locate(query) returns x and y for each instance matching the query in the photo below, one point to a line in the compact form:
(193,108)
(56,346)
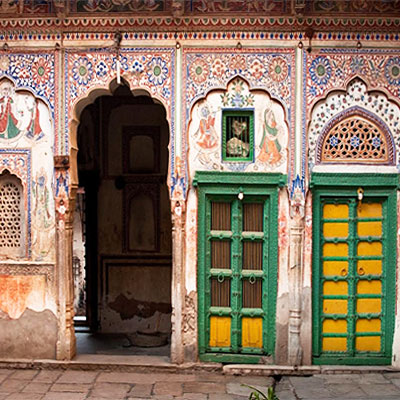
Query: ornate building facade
(225,171)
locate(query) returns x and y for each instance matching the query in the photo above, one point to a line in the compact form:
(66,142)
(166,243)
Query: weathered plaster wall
(283,288)
(27,280)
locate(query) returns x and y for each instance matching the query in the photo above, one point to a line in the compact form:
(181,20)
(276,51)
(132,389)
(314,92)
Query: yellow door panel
(335,306)
(369,210)
(332,326)
(368,325)
(369,306)
(334,344)
(337,288)
(369,287)
(252,332)
(335,250)
(220,331)
(369,267)
(336,211)
(338,229)
(368,343)
(373,228)
(338,268)
(369,249)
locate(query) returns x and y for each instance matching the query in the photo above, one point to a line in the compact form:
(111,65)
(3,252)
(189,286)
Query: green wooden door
(237,271)
(353,283)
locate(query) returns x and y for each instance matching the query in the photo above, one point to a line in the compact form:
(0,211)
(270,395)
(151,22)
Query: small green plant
(258,395)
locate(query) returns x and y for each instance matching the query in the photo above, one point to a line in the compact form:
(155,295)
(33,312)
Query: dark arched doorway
(122,226)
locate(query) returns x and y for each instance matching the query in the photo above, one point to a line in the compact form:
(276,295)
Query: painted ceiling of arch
(202,7)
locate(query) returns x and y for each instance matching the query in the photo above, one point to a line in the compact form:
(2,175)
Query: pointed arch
(375,109)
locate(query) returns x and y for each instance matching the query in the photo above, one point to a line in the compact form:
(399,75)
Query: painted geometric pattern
(374,106)
(35,71)
(270,70)
(149,69)
(330,69)
(355,139)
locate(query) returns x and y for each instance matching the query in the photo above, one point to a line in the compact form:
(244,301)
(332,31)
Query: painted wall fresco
(210,69)
(374,105)
(26,124)
(28,116)
(274,7)
(270,131)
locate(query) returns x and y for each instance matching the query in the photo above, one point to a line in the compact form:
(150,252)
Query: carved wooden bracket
(61,162)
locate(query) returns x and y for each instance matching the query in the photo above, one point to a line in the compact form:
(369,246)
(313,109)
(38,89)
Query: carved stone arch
(107,90)
(95,73)
(356,136)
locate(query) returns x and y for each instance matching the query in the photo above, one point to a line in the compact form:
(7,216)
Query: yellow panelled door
(352,278)
(237,275)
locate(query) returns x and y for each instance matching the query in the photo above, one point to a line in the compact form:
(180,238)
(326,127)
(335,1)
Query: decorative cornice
(102,23)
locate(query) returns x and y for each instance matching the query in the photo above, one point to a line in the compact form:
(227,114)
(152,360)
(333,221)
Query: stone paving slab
(32,384)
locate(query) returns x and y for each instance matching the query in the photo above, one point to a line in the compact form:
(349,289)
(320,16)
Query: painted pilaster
(296,231)
(65,199)
(178,292)
(178,207)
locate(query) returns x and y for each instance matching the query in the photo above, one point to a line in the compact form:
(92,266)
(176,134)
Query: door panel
(350,310)
(237,277)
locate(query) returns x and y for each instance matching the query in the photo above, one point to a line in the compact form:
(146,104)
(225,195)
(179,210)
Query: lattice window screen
(11,222)
(355,139)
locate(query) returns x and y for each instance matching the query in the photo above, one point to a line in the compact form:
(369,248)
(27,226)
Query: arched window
(12,232)
(355,139)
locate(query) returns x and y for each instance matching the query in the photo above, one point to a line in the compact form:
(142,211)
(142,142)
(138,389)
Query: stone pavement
(373,386)
(58,384)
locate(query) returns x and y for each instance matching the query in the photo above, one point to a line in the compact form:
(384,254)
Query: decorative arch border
(89,73)
(19,163)
(208,69)
(350,112)
(372,66)
(224,90)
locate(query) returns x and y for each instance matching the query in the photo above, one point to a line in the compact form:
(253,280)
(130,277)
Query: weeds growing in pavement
(258,395)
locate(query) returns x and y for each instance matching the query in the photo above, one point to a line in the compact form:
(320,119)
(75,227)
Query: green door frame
(211,185)
(375,186)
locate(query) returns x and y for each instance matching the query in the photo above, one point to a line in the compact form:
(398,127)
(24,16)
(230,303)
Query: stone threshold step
(112,363)
(305,370)
(162,364)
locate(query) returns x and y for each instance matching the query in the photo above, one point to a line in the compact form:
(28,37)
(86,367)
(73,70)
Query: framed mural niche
(237,135)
